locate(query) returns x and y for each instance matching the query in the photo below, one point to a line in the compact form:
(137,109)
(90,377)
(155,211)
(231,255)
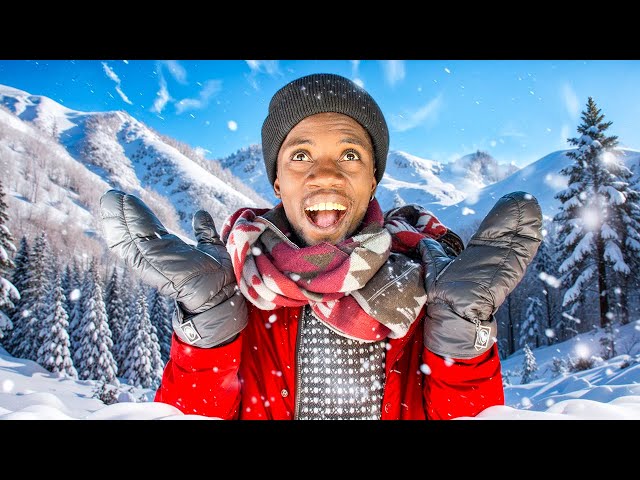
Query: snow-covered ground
(608,390)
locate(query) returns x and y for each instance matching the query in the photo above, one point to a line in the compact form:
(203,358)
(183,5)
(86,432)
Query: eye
(300,156)
(350,156)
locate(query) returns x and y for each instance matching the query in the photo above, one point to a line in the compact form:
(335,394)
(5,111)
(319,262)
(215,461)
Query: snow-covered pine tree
(74,277)
(530,327)
(115,309)
(143,365)
(76,312)
(608,342)
(19,280)
(54,353)
(36,296)
(160,311)
(589,237)
(8,292)
(93,358)
(128,288)
(625,222)
(544,266)
(529,365)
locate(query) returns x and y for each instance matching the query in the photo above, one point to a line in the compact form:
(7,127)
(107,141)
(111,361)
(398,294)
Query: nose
(326,173)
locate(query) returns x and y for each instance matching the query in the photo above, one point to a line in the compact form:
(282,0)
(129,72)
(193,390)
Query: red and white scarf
(347,284)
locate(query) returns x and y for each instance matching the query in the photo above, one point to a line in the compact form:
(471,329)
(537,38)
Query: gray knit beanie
(319,93)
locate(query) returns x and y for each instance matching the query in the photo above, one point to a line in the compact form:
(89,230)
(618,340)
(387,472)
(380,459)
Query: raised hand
(472,286)
(200,278)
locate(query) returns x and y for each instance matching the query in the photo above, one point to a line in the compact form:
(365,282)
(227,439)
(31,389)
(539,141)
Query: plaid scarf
(345,284)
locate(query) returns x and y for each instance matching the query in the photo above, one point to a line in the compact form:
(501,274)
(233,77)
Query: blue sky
(517,110)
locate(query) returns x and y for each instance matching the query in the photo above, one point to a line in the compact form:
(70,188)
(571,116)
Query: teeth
(326,206)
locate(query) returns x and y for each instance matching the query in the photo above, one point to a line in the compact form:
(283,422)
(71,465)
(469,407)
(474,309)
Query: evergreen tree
(19,280)
(625,221)
(530,328)
(545,265)
(93,358)
(73,284)
(529,366)
(83,284)
(589,233)
(128,289)
(160,313)
(54,353)
(608,342)
(36,296)
(143,365)
(8,292)
(115,309)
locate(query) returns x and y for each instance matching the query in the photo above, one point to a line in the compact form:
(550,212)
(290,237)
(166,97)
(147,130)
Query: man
(323,307)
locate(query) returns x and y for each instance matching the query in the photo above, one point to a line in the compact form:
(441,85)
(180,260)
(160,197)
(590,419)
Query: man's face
(325,177)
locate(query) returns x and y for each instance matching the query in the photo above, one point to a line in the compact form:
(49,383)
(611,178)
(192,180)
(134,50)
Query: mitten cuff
(450,335)
(213,326)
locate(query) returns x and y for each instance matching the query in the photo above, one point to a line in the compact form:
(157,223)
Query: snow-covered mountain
(58,161)
(407,178)
(247,164)
(472,172)
(127,154)
(541,178)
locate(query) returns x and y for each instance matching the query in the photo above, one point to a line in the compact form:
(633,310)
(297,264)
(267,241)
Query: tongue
(326,218)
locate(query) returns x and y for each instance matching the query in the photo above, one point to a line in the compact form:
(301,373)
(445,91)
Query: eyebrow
(294,142)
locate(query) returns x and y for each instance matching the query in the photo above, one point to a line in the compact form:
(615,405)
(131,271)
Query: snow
(540,178)
(608,390)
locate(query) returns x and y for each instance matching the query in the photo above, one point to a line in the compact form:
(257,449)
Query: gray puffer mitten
(210,310)
(464,293)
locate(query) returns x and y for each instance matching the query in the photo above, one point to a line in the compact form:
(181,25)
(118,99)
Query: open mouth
(325,214)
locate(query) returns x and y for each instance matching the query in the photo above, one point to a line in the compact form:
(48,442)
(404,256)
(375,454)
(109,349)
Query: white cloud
(123,95)
(110,73)
(394,71)
(113,76)
(571,101)
(509,130)
(209,89)
(355,66)
(176,70)
(564,134)
(268,67)
(411,120)
(162,97)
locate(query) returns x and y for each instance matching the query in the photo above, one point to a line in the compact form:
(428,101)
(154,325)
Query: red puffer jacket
(254,377)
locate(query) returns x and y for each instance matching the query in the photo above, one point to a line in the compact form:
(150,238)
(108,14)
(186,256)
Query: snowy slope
(46,189)
(411,179)
(541,178)
(472,172)
(247,164)
(610,390)
(130,156)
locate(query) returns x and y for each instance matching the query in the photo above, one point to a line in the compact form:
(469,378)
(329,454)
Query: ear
(374,184)
(276,187)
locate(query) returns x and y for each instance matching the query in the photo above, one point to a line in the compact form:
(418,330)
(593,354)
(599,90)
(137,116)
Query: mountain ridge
(119,151)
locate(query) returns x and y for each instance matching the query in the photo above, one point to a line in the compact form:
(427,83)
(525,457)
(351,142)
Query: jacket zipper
(296,405)
(286,239)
